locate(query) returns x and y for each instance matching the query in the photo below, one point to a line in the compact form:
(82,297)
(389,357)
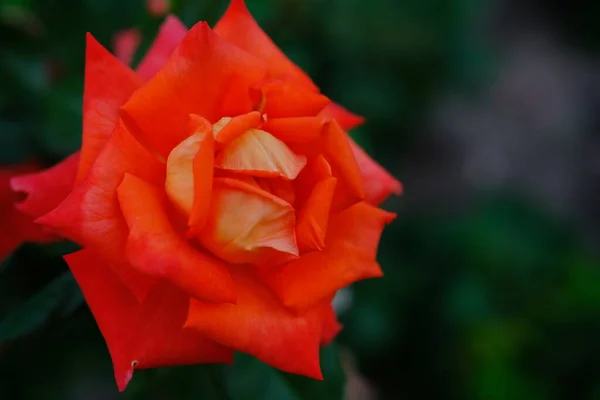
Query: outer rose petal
(377,182)
(138,335)
(260,326)
(15,227)
(349,256)
(170,34)
(345,118)
(331,327)
(191,82)
(248,225)
(237,26)
(91,216)
(46,189)
(108,84)
(155,247)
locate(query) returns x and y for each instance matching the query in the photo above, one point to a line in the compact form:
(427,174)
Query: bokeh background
(487,110)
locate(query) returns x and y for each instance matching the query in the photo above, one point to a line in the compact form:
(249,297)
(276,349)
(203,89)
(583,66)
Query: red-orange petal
(91,216)
(143,335)
(171,33)
(154,246)
(108,84)
(345,118)
(259,153)
(248,225)
(259,325)
(338,152)
(314,216)
(331,326)
(228,129)
(377,182)
(285,99)
(46,189)
(295,130)
(237,26)
(191,82)
(349,256)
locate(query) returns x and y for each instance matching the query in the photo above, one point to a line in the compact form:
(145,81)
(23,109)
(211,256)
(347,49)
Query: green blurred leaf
(59,299)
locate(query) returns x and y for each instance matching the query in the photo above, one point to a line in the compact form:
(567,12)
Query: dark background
(487,110)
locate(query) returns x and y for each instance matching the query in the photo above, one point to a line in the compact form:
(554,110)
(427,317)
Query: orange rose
(219,202)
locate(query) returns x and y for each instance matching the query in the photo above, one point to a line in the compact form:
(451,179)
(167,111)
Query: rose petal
(259,325)
(331,326)
(338,152)
(377,182)
(171,33)
(295,130)
(284,99)
(349,256)
(138,335)
(259,153)
(228,129)
(91,216)
(108,84)
(345,118)
(194,154)
(191,82)
(248,225)
(237,26)
(314,216)
(46,189)
(153,245)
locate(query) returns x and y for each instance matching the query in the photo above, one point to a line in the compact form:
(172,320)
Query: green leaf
(59,299)
(250,379)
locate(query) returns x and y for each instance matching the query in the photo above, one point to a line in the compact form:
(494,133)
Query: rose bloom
(218,199)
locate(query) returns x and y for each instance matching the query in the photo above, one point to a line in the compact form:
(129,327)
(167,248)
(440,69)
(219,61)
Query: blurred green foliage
(498,300)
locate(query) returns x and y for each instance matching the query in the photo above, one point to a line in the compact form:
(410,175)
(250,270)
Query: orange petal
(248,225)
(314,216)
(237,26)
(191,82)
(91,216)
(349,256)
(377,182)
(46,189)
(154,246)
(181,179)
(259,153)
(170,34)
(295,130)
(316,170)
(345,118)
(108,84)
(284,99)
(259,325)
(228,129)
(338,152)
(331,326)
(282,188)
(138,335)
